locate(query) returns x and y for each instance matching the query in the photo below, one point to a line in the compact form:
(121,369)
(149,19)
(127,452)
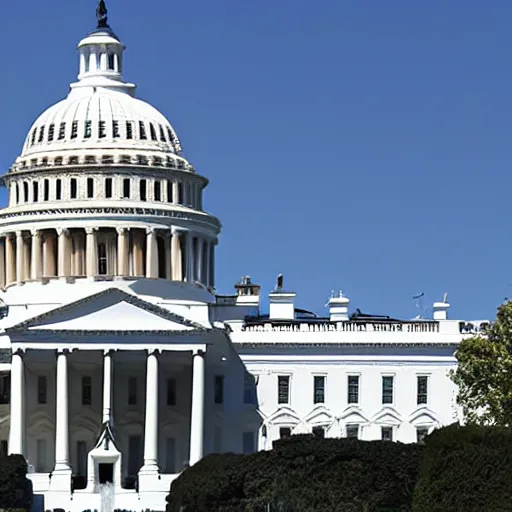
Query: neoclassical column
(122,251)
(17,426)
(91,252)
(3,248)
(176,255)
(151,253)
(107,387)
(63,252)
(26,256)
(189,253)
(151,421)
(36,255)
(10,263)
(197,413)
(199,257)
(175,192)
(20,264)
(62,415)
(138,252)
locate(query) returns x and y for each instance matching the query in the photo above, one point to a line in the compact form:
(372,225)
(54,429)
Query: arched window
(158,191)
(35,191)
(180,192)
(142,190)
(102,259)
(152,131)
(25,191)
(111,65)
(73,188)
(46,190)
(170,199)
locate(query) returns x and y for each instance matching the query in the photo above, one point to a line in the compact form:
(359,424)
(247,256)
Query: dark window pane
(58,189)
(319,390)
(353,389)
(387,390)
(319,432)
(283,389)
(142,130)
(129,130)
(219,389)
(102,133)
(142,190)
(5,389)
(353,430)
(88,129)
(46,190)
(86,390)
(73,190)
(126,188)
(90,188)
(422,389)
(158,191)
(285,432)
(74,129)
(108,187)
(421,433)
(387,433)
(115,129)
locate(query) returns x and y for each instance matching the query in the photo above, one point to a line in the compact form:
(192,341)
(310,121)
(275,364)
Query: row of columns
(186,256)
(17,425)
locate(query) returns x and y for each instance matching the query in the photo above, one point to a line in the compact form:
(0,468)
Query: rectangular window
(152,131)
(158,191)
(180,193)
(249,389)
(62,131)
(171,391)
(319,389)
(41,456)
(386,433)
(353,430)
(248,444)
(132,391)
(126,188)
(108,188)
(387,390)
(90,188)
(283,389)
(353,389)
(162,134)
(115,129)
(51,132)
(73,188)
(319,432)
(142,131)
(81,458)
(129,130)
(219,389)
(35,191)
(58,189)
(41,134)
(142,190)
(46,190)
(86,390)
(169,192)
(422,389)
(285,432)
(74,129)
(41,390)
(5,389)
(421,433)
(170,455)
(111,66)
(88,129)
(102,132)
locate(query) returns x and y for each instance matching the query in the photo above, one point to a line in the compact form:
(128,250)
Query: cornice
(266,345)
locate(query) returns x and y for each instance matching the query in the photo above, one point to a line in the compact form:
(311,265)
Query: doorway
(105,473)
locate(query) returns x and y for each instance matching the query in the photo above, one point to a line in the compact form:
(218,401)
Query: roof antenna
(102,15)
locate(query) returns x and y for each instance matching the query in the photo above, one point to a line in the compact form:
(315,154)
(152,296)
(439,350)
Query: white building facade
(119,362)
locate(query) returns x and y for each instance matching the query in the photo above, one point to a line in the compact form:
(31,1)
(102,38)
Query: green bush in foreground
(15,487)
(466,469)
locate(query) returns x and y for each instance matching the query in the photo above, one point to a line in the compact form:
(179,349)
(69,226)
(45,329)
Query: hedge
(15,487)
(466,469)
(302,474)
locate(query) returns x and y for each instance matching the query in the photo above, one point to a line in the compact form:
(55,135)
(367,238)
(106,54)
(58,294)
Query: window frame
(352,426)
(422,397)
(358,384)
(285,378)
(385,391)
(319,394)
(387,428)
(86,385)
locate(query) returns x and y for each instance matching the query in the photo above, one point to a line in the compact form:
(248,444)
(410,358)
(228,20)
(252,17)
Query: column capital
(122,230)
(177,232)
(153,351)
(63,231)
(91,230)
(150,231)
(35,233)
(63,352)
(19,234)
(198,352)
(9,236)
(19,352)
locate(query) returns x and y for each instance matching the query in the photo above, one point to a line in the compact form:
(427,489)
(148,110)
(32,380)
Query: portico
(148,394)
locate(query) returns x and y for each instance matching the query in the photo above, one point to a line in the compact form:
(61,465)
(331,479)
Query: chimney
(440,309)
(338,308)
(282,302)
(247,292)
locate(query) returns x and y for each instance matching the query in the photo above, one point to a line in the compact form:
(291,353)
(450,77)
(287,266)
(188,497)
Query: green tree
(484,372)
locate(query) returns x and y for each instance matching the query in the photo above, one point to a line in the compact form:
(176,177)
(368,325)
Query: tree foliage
(466,469)
(15,487)
(302,474)
(484,372)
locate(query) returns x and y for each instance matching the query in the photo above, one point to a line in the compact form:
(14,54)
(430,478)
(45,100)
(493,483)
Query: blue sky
(354,145)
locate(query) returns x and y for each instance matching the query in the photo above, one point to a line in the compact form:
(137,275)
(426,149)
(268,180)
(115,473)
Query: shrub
(466,469)
(15,487)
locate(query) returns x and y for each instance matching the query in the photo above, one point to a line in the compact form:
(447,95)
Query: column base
(61,479)
(149,475)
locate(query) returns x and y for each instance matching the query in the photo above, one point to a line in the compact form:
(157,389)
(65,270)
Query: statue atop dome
(102,14)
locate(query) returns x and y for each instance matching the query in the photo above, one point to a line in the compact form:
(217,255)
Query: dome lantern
(101,57)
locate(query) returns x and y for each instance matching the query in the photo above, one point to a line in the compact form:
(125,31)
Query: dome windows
(129,129)
(90,188)
(115,129)
(62,131)
(108,188)
(41,134)
(74,129)
(101,130)
(142,131)
(87,129)
(152,131)
(51,132)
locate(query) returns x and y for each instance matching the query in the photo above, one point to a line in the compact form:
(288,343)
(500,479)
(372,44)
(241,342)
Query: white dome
(97,117)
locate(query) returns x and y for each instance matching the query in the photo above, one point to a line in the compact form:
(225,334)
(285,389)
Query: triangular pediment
(284,416)
(319,416)
(353,414)
(388,416)
(109,310)
(423,416)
